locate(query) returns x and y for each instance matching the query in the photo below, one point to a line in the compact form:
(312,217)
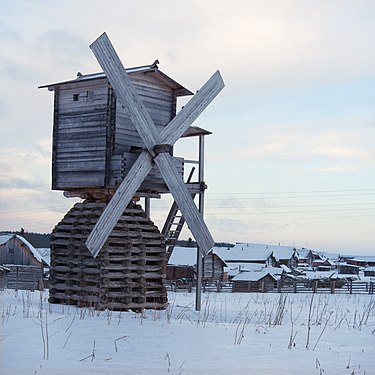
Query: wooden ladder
(174,223)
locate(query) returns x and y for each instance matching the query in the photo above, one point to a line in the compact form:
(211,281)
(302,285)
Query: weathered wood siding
(213,267)
(24,278)
(93,134)
(80,134)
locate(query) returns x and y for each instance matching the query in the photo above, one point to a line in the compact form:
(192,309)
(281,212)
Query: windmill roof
(152,68)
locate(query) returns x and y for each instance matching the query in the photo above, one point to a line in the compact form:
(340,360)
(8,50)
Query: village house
(25,265)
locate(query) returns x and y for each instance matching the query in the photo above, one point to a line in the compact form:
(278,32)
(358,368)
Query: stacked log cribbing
(128,273)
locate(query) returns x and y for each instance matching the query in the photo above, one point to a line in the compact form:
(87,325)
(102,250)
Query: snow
(235,333)
(252,276)
(183,256)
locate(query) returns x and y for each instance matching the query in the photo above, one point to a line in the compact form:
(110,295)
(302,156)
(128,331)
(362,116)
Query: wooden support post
(350,286)
(147,206)
(295,286)
(199,266)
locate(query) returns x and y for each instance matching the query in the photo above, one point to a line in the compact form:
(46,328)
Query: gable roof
(178,89)
(252,276)
(4,238)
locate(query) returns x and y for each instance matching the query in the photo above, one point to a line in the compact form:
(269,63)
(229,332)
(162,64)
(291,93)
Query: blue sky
(291,159)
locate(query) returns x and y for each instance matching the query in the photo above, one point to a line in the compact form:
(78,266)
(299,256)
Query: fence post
(371,288)
(315,286)
(218,286)
(333,285)
(351,287)
(262,286)
(278,283)
(295,286)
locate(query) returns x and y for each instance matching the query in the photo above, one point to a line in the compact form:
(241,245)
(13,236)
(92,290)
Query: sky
(291,160)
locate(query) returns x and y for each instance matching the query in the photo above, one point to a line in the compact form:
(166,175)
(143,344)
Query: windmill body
(113,142)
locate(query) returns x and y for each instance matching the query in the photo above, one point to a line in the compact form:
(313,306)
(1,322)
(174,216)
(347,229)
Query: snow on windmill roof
(183,256)
(4,238)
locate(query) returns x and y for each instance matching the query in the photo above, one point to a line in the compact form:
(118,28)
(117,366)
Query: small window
(90,95)
(75,97)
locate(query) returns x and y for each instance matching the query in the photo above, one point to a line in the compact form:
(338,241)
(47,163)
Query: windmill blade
(125,90)
(119,201)
(185,202)
(196,105)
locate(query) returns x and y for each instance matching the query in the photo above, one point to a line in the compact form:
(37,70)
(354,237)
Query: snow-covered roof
(242,253)
(370,268)
(252,276)
(315,275)
(235,268)
(4,238)
(183,256)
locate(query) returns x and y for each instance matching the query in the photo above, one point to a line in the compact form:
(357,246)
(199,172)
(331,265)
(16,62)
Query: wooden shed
(254,282)
(25,265)
(94,140)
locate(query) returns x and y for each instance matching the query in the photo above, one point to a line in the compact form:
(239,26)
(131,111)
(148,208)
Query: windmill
(155,150)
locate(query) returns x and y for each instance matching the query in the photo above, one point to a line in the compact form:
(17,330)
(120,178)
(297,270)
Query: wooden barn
(214,267)
(261,281)
(24,264)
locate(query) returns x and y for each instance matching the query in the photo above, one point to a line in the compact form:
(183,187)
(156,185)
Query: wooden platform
(129,272)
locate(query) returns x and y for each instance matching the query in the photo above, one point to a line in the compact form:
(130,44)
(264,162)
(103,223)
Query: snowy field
(233,334)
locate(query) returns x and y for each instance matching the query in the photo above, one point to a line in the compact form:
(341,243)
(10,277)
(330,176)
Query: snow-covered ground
(233,334)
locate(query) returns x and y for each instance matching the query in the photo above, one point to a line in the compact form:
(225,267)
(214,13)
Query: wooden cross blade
(185,202)
(118,203)
(196,105)
(125,91)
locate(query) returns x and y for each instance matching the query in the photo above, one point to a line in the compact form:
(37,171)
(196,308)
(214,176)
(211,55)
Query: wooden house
(181,264)
(214,267)
(22,260)
(369,271)
(348,269)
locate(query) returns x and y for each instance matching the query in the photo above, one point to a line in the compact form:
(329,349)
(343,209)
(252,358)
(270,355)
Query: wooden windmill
(153,149)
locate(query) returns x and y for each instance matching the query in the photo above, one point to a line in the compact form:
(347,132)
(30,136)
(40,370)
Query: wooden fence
(282,286)
(24,278)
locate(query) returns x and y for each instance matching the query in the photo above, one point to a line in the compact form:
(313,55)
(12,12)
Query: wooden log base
(129,272)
